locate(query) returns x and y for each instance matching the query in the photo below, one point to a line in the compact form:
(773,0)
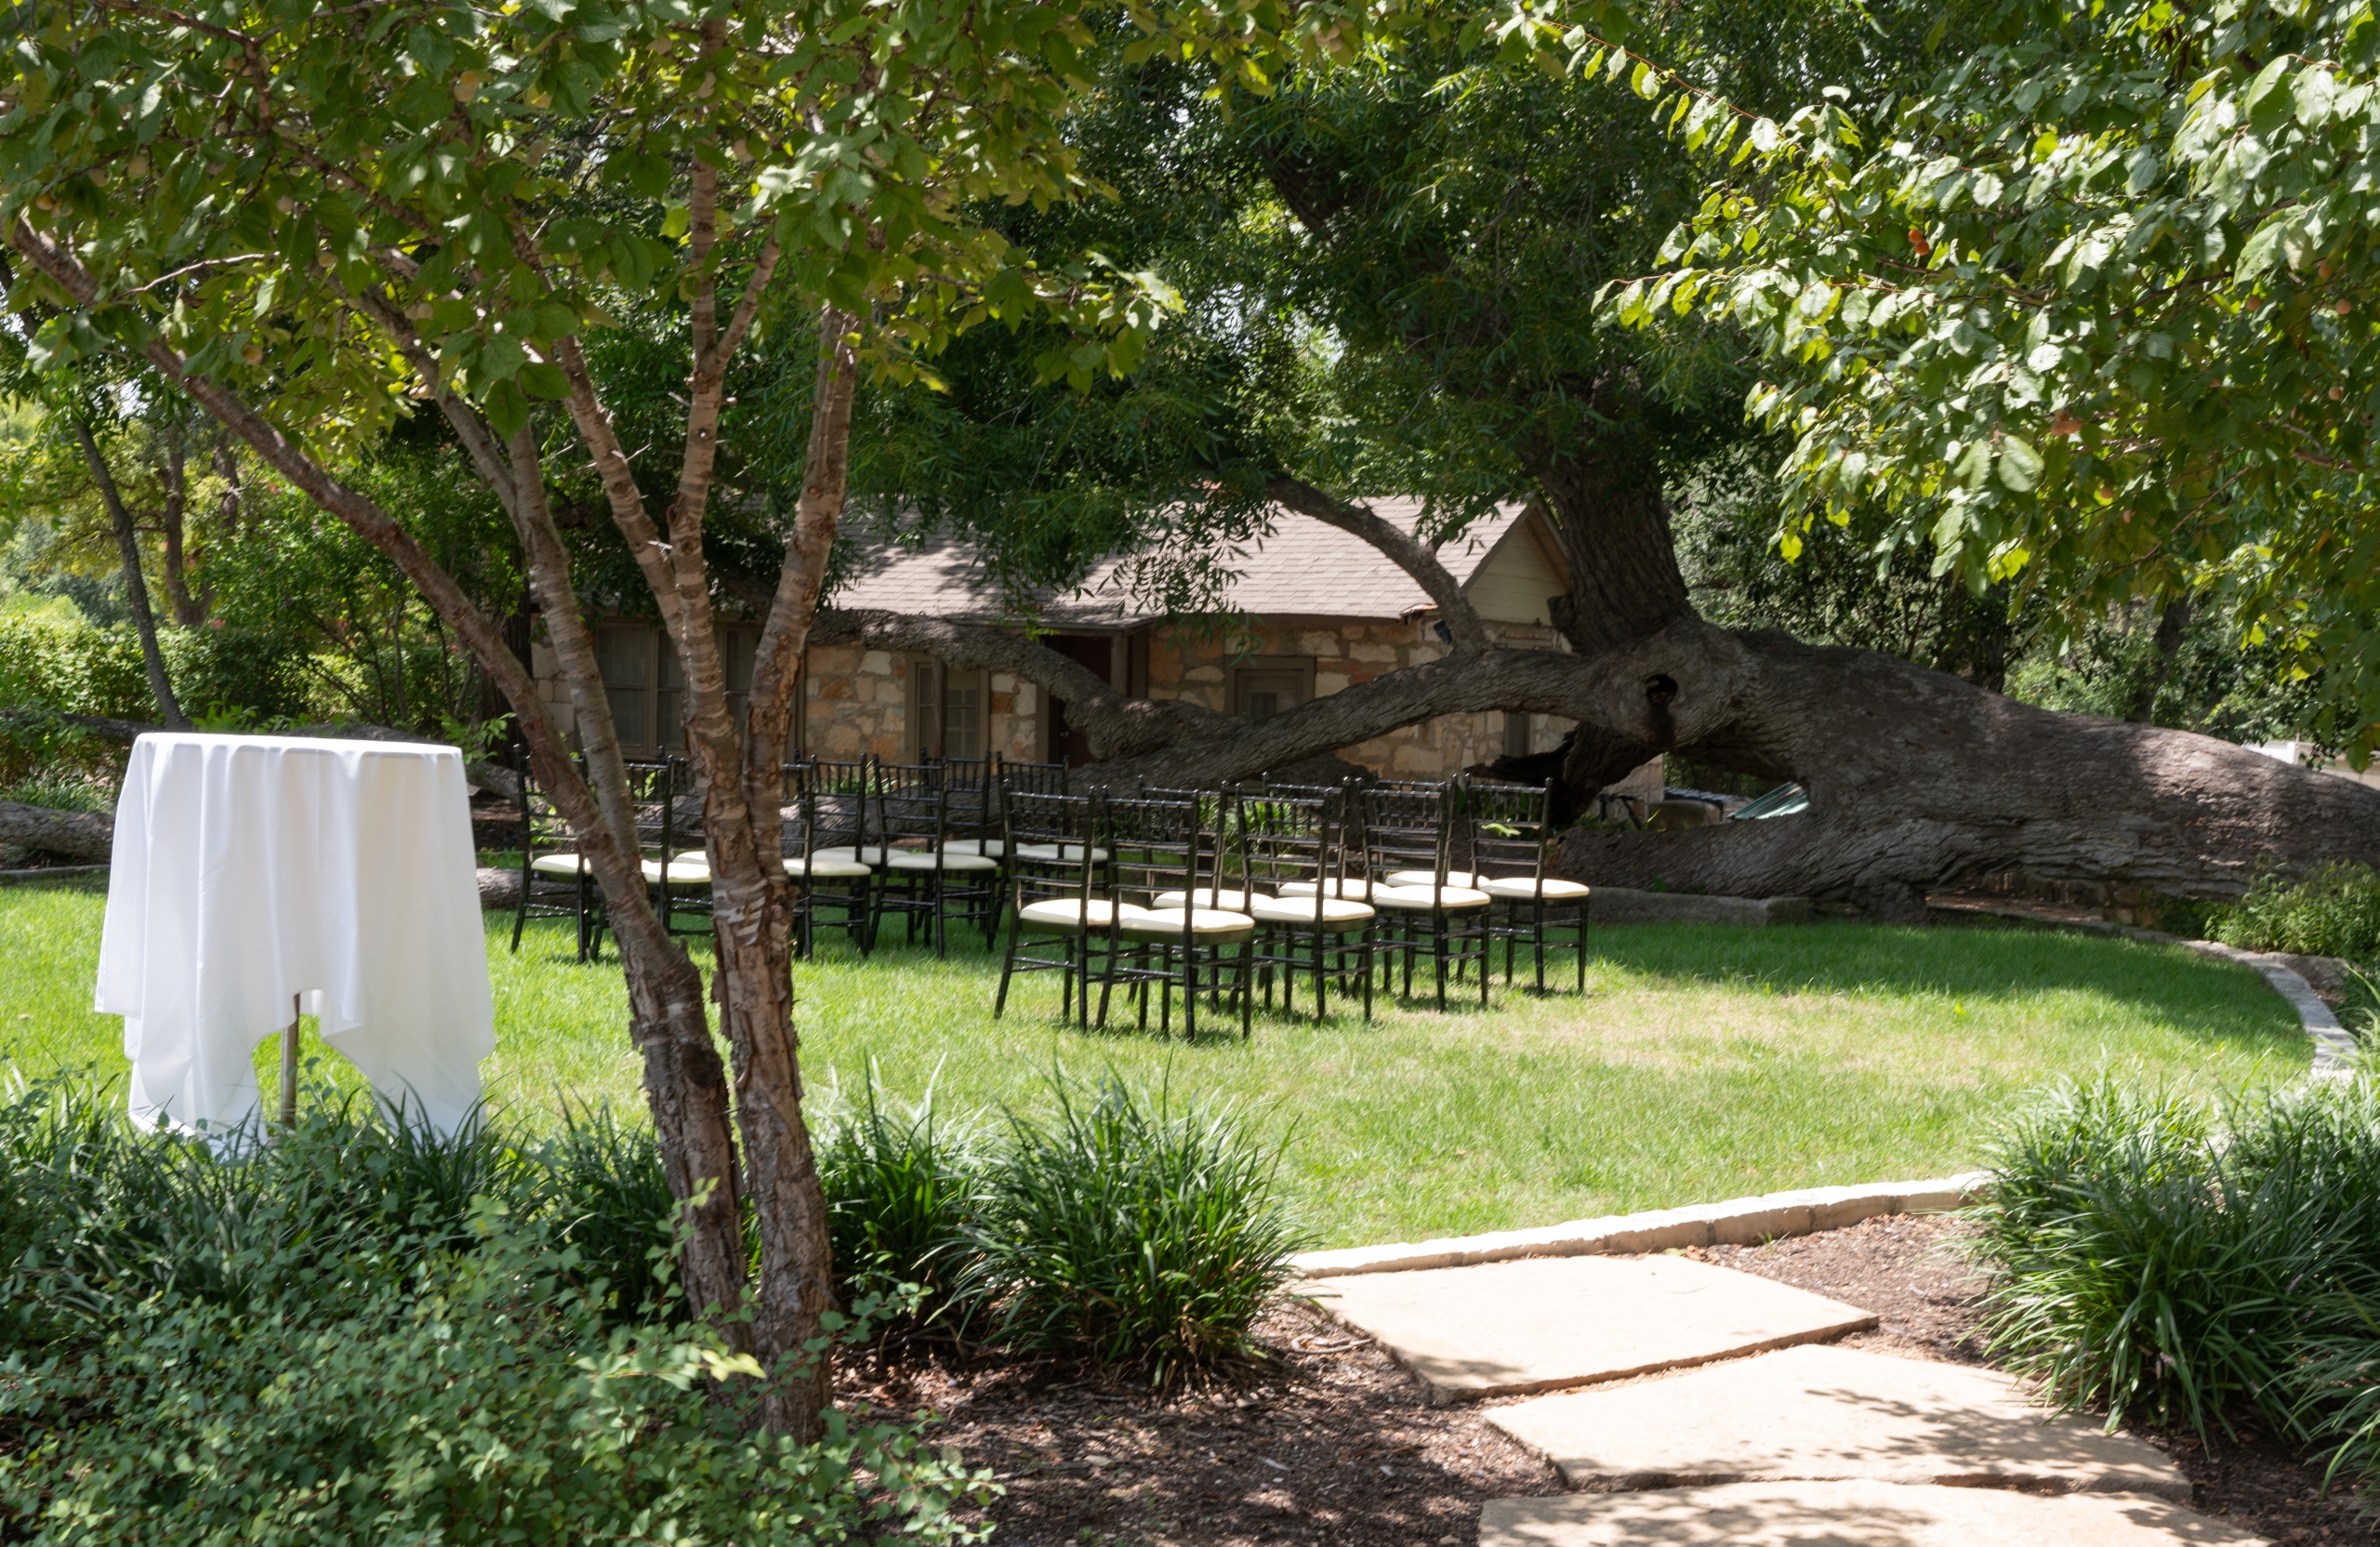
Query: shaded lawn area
(1706,1062)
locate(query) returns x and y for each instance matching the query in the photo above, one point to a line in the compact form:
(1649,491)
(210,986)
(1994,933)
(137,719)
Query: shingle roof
(1304,569)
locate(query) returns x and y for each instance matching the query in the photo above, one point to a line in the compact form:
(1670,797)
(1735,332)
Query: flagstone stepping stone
(1544,1323)
(1831,1414)
(1860,1513)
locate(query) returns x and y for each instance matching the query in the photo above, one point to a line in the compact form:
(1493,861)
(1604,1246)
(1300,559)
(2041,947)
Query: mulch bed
(1327,1440)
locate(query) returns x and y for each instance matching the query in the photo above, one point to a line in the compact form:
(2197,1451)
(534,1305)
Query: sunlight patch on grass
(1705,1062)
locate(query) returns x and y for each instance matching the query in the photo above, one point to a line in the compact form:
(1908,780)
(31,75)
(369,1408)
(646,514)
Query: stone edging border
(2334,1046)
(1737,1221)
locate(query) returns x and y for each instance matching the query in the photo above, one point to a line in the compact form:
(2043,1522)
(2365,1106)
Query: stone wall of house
(546,666)
(856,702)
(1186,664)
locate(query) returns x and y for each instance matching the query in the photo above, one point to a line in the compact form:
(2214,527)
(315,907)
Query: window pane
(1263,694)
(620,656)
(669,704)
(962,715)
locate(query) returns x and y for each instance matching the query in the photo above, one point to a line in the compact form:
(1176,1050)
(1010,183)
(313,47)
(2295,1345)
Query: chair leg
(1008,968)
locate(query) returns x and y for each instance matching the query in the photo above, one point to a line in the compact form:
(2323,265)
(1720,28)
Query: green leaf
(2020,465)
(2311,94)
(541,380)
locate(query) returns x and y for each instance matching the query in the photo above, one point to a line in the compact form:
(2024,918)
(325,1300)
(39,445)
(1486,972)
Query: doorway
(1097,653)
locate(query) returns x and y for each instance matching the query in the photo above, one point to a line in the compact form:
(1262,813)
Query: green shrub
(367,1332)
(2146,1259)
(253,675)
(61,789)
(904,1192)
(1132,1233)
(423,1395)
(2334,911)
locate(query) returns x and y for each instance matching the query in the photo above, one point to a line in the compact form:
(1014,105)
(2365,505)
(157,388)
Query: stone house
(1312,611)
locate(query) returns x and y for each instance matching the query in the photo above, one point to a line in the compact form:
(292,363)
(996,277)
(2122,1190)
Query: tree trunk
(189,610)
(136,588)
(752,922)
(81,835)
(1918,780)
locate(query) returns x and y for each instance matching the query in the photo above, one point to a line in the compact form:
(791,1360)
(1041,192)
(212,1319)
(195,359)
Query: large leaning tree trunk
(1917,779)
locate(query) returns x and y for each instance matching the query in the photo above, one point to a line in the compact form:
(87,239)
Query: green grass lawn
(1706,1062)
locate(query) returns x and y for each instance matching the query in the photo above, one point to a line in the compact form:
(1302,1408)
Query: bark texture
(1918,780)
(136,585)
(83,835)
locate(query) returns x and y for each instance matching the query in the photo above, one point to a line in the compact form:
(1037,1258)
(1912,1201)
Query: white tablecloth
(249,869)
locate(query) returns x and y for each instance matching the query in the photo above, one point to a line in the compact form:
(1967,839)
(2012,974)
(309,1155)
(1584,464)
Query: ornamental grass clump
(1133,1233)
(906,1187)
(2165,1262)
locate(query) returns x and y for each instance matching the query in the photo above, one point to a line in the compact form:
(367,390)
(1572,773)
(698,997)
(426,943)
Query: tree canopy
(2091,312)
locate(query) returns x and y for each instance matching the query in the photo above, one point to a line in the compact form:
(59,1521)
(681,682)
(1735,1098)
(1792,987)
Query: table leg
(289,1064)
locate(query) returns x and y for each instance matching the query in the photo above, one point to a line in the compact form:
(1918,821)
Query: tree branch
(1454,608)
(619,868)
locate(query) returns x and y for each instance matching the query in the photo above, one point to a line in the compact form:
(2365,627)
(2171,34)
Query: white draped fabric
(249,869)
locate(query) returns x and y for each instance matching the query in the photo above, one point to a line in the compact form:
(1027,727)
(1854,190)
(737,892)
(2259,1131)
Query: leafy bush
(61,789)
(904,1191)
(1132,1233)
(2334,911)
(255,674)
(417,1393)
(2151,1260)
(367,1332)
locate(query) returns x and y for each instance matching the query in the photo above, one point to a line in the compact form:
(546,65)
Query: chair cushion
(1048,852)
(1423,899)
(680,875)
(692,856)
(1336,912)
(562,865)
(1230,901)
(823,868)
(991,846)
(1204,923)
(1064,915)
(910,859)
(1552,891)
(1352,887)
(1424,877)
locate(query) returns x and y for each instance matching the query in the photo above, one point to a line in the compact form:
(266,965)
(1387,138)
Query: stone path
(1848,1514)
(1544,1323)
(1796,1446)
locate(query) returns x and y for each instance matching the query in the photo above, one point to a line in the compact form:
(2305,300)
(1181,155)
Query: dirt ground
(1327,1440)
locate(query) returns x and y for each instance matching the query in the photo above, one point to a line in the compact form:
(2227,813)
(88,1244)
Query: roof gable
(1302,569)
